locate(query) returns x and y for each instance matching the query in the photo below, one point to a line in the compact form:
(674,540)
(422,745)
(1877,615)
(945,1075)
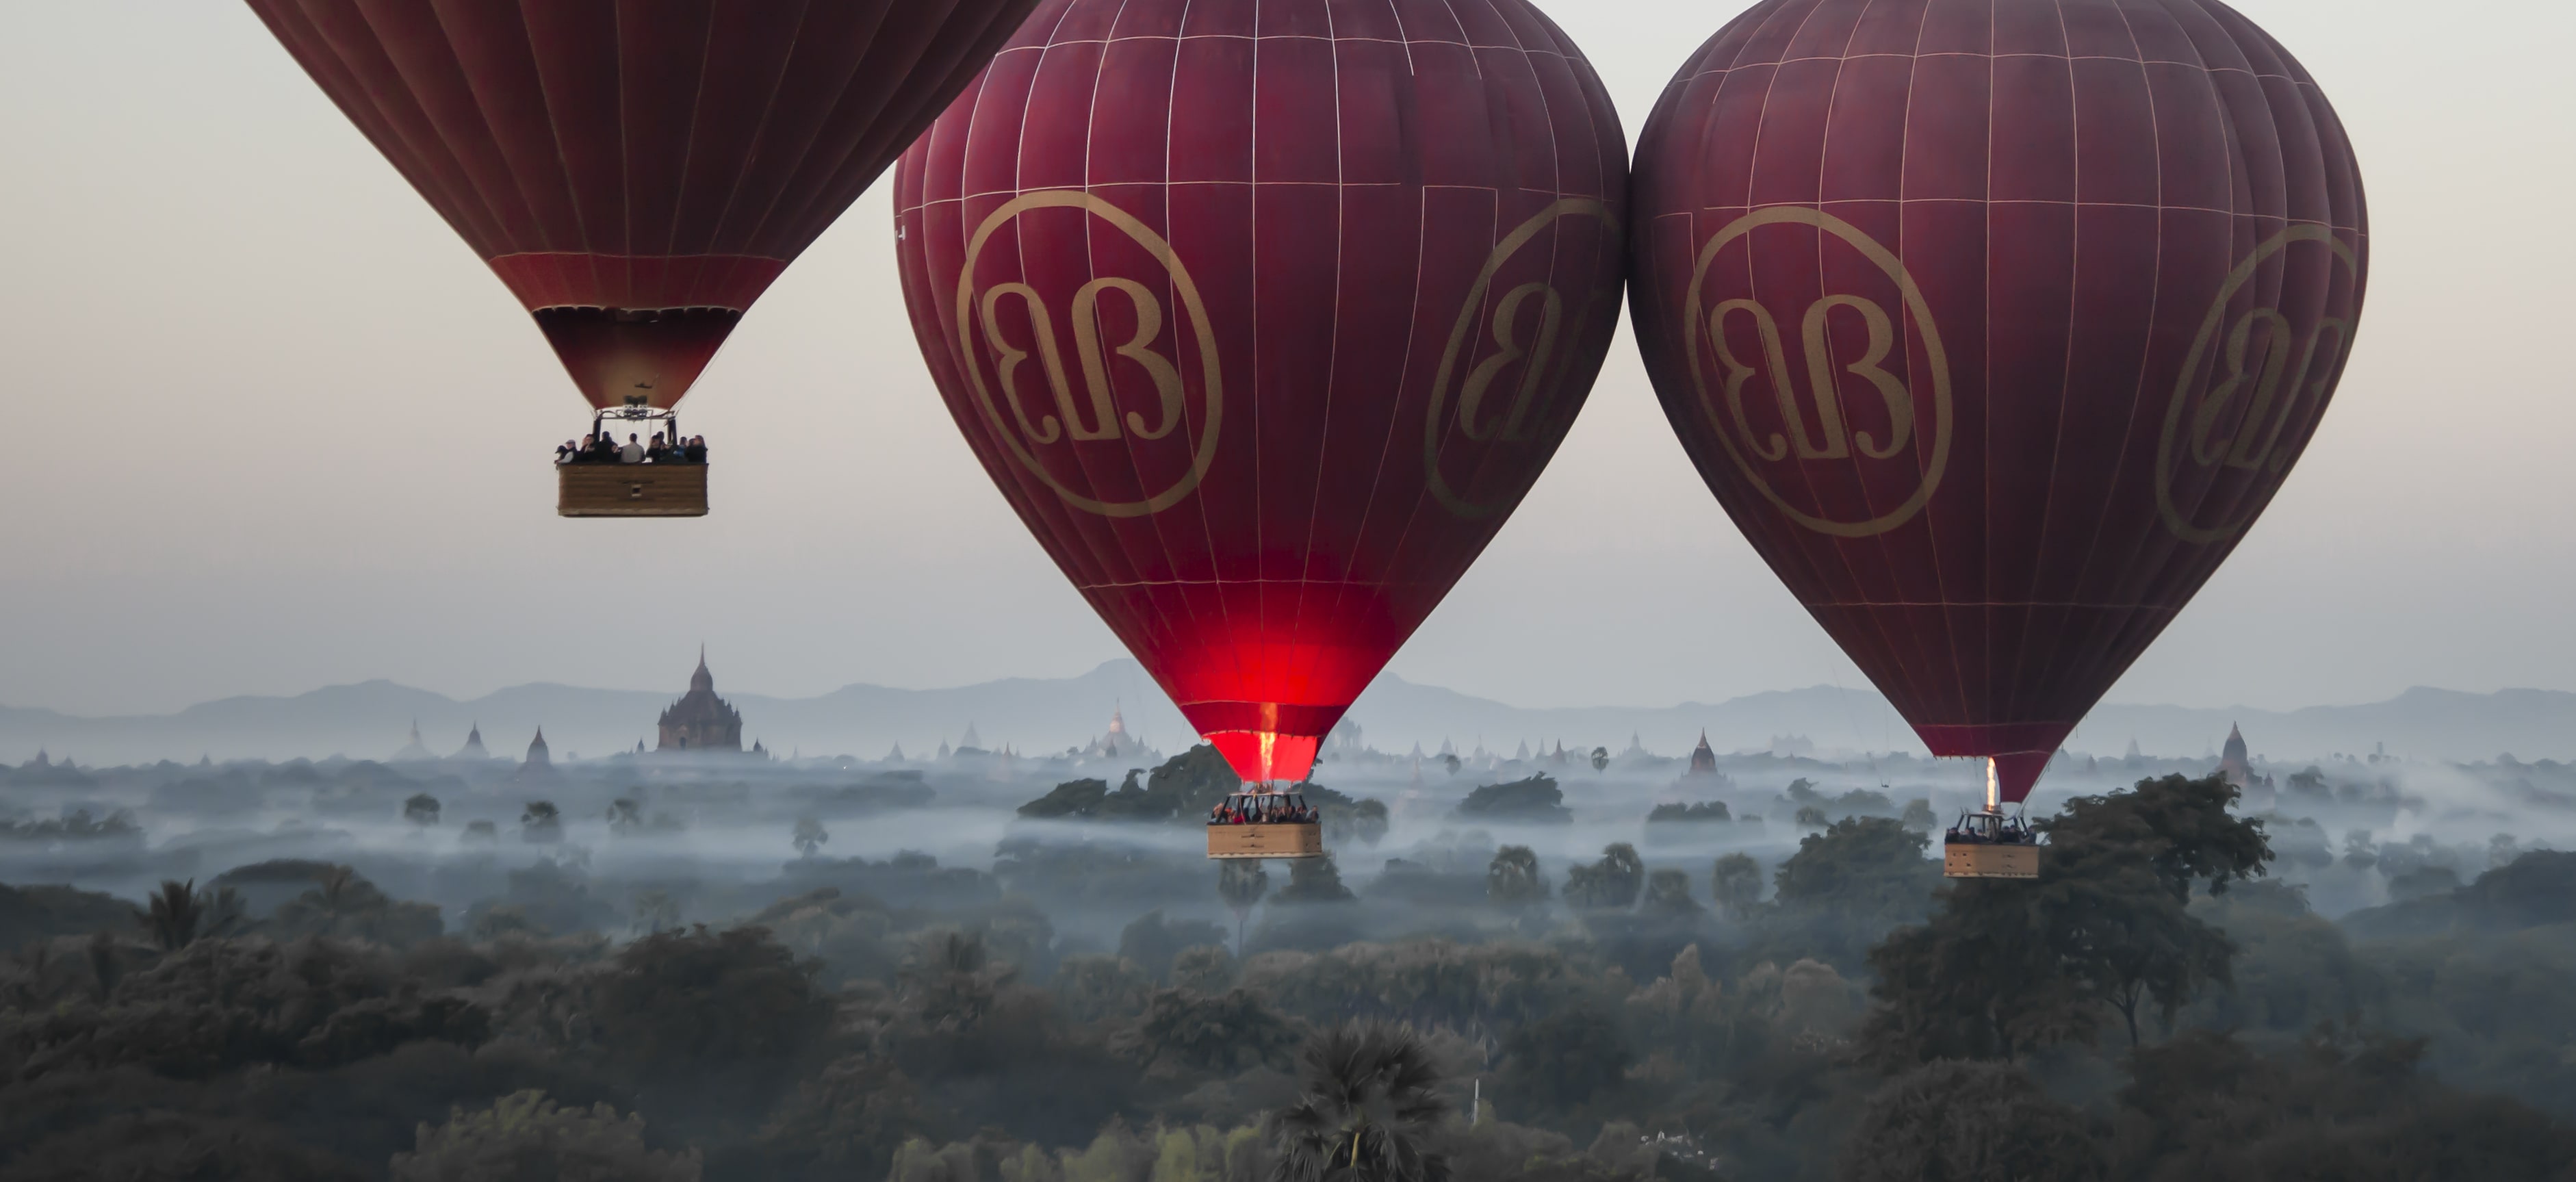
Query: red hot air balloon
(639,171)
(1264,316)
(1994,325)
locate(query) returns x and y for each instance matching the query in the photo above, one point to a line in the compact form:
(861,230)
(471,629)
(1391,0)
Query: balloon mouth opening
(1268,757)
(619,315)
(2016,753)
(1265,742)
(635,356)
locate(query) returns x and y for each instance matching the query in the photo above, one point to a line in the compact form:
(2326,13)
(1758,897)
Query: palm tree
(181,914)
(1372,1093)
(175,915)
(810,836)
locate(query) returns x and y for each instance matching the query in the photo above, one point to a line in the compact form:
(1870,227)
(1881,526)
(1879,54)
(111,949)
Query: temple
(2231,759)
(701,721)
(1703,759)
(1114,745)
(2256,793)
(540,763)
(413,751)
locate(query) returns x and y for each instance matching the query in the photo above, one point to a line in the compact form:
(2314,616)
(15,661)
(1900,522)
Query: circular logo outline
(1213,390)
(2210,324)
(1470,315)
(1915,306)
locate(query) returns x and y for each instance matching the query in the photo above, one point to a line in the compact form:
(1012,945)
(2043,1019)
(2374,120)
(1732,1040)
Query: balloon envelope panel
(643,169)
(1265,316)
(1993,326)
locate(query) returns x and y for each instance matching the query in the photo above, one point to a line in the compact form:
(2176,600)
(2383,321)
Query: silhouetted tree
(1534,799)
(541,822)
(625,816)
(1600,759)
(1370,1097)
(2007,967)
(1368,822)
(179,914)
(1668,894)
(1736,885)
(1314,880)
(421,809)
(1862,866)
(1610,884)
(810,837)
(1513,881)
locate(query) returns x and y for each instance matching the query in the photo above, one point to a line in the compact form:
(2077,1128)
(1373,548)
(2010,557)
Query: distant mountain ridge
(373,719)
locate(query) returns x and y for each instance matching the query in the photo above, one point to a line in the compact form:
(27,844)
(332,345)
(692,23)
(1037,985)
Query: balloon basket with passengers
(598,479)
(1986,843)
(1265,824)
(638,231)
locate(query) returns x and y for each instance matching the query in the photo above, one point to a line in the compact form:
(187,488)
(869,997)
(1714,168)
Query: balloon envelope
(1993,326)
(638,171)
(1264,316)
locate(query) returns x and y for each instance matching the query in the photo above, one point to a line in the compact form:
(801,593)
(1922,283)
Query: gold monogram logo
(1819,429)
(1093,417)
(1526,329)
(2264,370)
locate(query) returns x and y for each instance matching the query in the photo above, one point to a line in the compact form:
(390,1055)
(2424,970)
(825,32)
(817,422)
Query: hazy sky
(271,426)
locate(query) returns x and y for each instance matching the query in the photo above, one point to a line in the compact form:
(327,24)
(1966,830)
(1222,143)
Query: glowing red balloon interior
(1264,317)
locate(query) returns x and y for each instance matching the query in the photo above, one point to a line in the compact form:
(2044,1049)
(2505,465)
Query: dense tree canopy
(1073,1014)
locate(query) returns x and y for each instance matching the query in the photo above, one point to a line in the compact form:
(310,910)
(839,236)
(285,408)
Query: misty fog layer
(985,966)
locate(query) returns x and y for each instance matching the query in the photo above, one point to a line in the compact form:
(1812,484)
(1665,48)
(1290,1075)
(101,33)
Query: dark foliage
(1967,1122)
(1513,880)
(1534,799)
(157,1146)
(1566,1058)
(1314,880)
(1704,812)
(2344,1106)
(2008,967)
(1079,799)
(1371,1097)
(1609,884)
(1180,790)
(30,914)
(1153,942)
(852,1018)
(720,1021)
(1228,1032)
